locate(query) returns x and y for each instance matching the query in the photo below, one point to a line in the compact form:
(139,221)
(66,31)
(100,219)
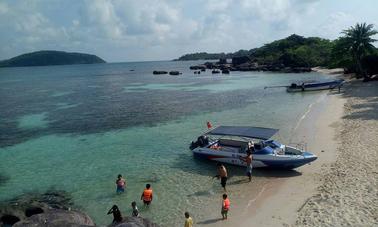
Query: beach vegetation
(357,41)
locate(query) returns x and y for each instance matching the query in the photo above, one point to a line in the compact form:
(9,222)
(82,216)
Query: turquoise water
(76,127)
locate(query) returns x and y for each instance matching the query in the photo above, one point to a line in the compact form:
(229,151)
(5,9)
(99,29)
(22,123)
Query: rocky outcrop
(28,205)
(198,67)
(159,72)
(53,209)
(240,60)
(174,73)
(57,218)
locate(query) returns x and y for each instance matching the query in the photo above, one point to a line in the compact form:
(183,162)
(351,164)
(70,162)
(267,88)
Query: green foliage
(357,42)
(296,51)
(42,58)
(293,51)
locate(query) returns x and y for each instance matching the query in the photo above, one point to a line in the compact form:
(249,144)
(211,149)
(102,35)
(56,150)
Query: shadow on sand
(210,221)
(361,90)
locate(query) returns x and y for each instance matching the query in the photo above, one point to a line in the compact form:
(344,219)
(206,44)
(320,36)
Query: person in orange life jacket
(225,206)
(121,184)
(147,195)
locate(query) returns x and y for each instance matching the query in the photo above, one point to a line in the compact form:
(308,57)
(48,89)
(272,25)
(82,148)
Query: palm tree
(358,41)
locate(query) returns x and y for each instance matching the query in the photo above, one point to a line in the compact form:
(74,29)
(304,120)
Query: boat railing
(301,145)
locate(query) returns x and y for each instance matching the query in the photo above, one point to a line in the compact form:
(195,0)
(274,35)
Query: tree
(358,42)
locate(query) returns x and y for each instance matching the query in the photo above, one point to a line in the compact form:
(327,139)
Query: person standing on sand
(121,184)
(117,217)
(248,160)
(225,207)
(188,220)
(147,195)
(222,174)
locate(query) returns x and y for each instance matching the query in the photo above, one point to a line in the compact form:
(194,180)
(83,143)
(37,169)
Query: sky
(146,30)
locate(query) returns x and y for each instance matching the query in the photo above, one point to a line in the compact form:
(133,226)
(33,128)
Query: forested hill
(294,51)
(43,58)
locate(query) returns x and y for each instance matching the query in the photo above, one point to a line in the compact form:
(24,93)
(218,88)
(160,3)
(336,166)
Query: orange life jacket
(226,204)
(147,194)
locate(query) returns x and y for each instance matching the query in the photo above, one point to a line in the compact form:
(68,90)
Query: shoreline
(280,207)
(277,202)
(337,189)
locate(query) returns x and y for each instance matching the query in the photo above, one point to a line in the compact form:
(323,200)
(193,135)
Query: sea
(76,127)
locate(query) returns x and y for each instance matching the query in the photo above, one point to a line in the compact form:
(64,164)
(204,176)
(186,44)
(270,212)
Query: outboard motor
(202,141)
(193,145)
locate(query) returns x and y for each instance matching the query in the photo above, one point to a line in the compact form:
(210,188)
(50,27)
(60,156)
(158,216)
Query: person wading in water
(222,174)
(248,160)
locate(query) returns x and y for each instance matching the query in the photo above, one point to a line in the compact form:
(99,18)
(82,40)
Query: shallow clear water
(77,127)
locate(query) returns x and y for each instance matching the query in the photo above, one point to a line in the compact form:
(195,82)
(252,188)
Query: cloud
(335,23)
(120,30)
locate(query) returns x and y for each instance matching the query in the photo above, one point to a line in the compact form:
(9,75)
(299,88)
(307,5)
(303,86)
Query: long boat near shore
(315,86)
(311,85)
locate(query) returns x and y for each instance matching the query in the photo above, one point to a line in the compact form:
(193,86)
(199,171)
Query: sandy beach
(340,188)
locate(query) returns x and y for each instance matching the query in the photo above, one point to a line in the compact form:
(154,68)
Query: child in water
(135,210)
(225,207)
(121,184)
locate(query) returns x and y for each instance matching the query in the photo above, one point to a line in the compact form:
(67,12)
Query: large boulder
(240,60)
(156,72)
(56,218)
(28,205)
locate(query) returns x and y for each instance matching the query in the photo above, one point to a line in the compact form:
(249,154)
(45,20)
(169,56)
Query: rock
(240,60)
(32,211)
(215,71)
(28,205)
(226,71)
(174,73)
(159,72)
(57,217)
(300,69)
(222,61)
(198,67)
(8,219)
(209,65)
(135,222)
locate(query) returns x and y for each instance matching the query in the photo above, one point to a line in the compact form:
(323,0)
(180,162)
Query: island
(50,57)
(293,54)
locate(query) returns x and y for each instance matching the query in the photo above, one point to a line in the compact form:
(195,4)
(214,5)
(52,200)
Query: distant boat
(315,86)
(228,144)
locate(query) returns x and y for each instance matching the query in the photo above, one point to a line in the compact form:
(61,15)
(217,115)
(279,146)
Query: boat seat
(232,143)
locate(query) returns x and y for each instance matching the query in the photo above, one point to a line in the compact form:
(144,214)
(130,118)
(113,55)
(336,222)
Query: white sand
(348,195)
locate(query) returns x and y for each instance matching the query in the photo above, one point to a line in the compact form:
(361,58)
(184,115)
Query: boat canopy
(244,131)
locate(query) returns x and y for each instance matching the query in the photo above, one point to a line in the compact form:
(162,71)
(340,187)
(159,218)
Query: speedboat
(314,86)
(227,144)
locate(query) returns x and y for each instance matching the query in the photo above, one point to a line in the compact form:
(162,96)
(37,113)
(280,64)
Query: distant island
(296,53)
(292,51)
(50,57)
